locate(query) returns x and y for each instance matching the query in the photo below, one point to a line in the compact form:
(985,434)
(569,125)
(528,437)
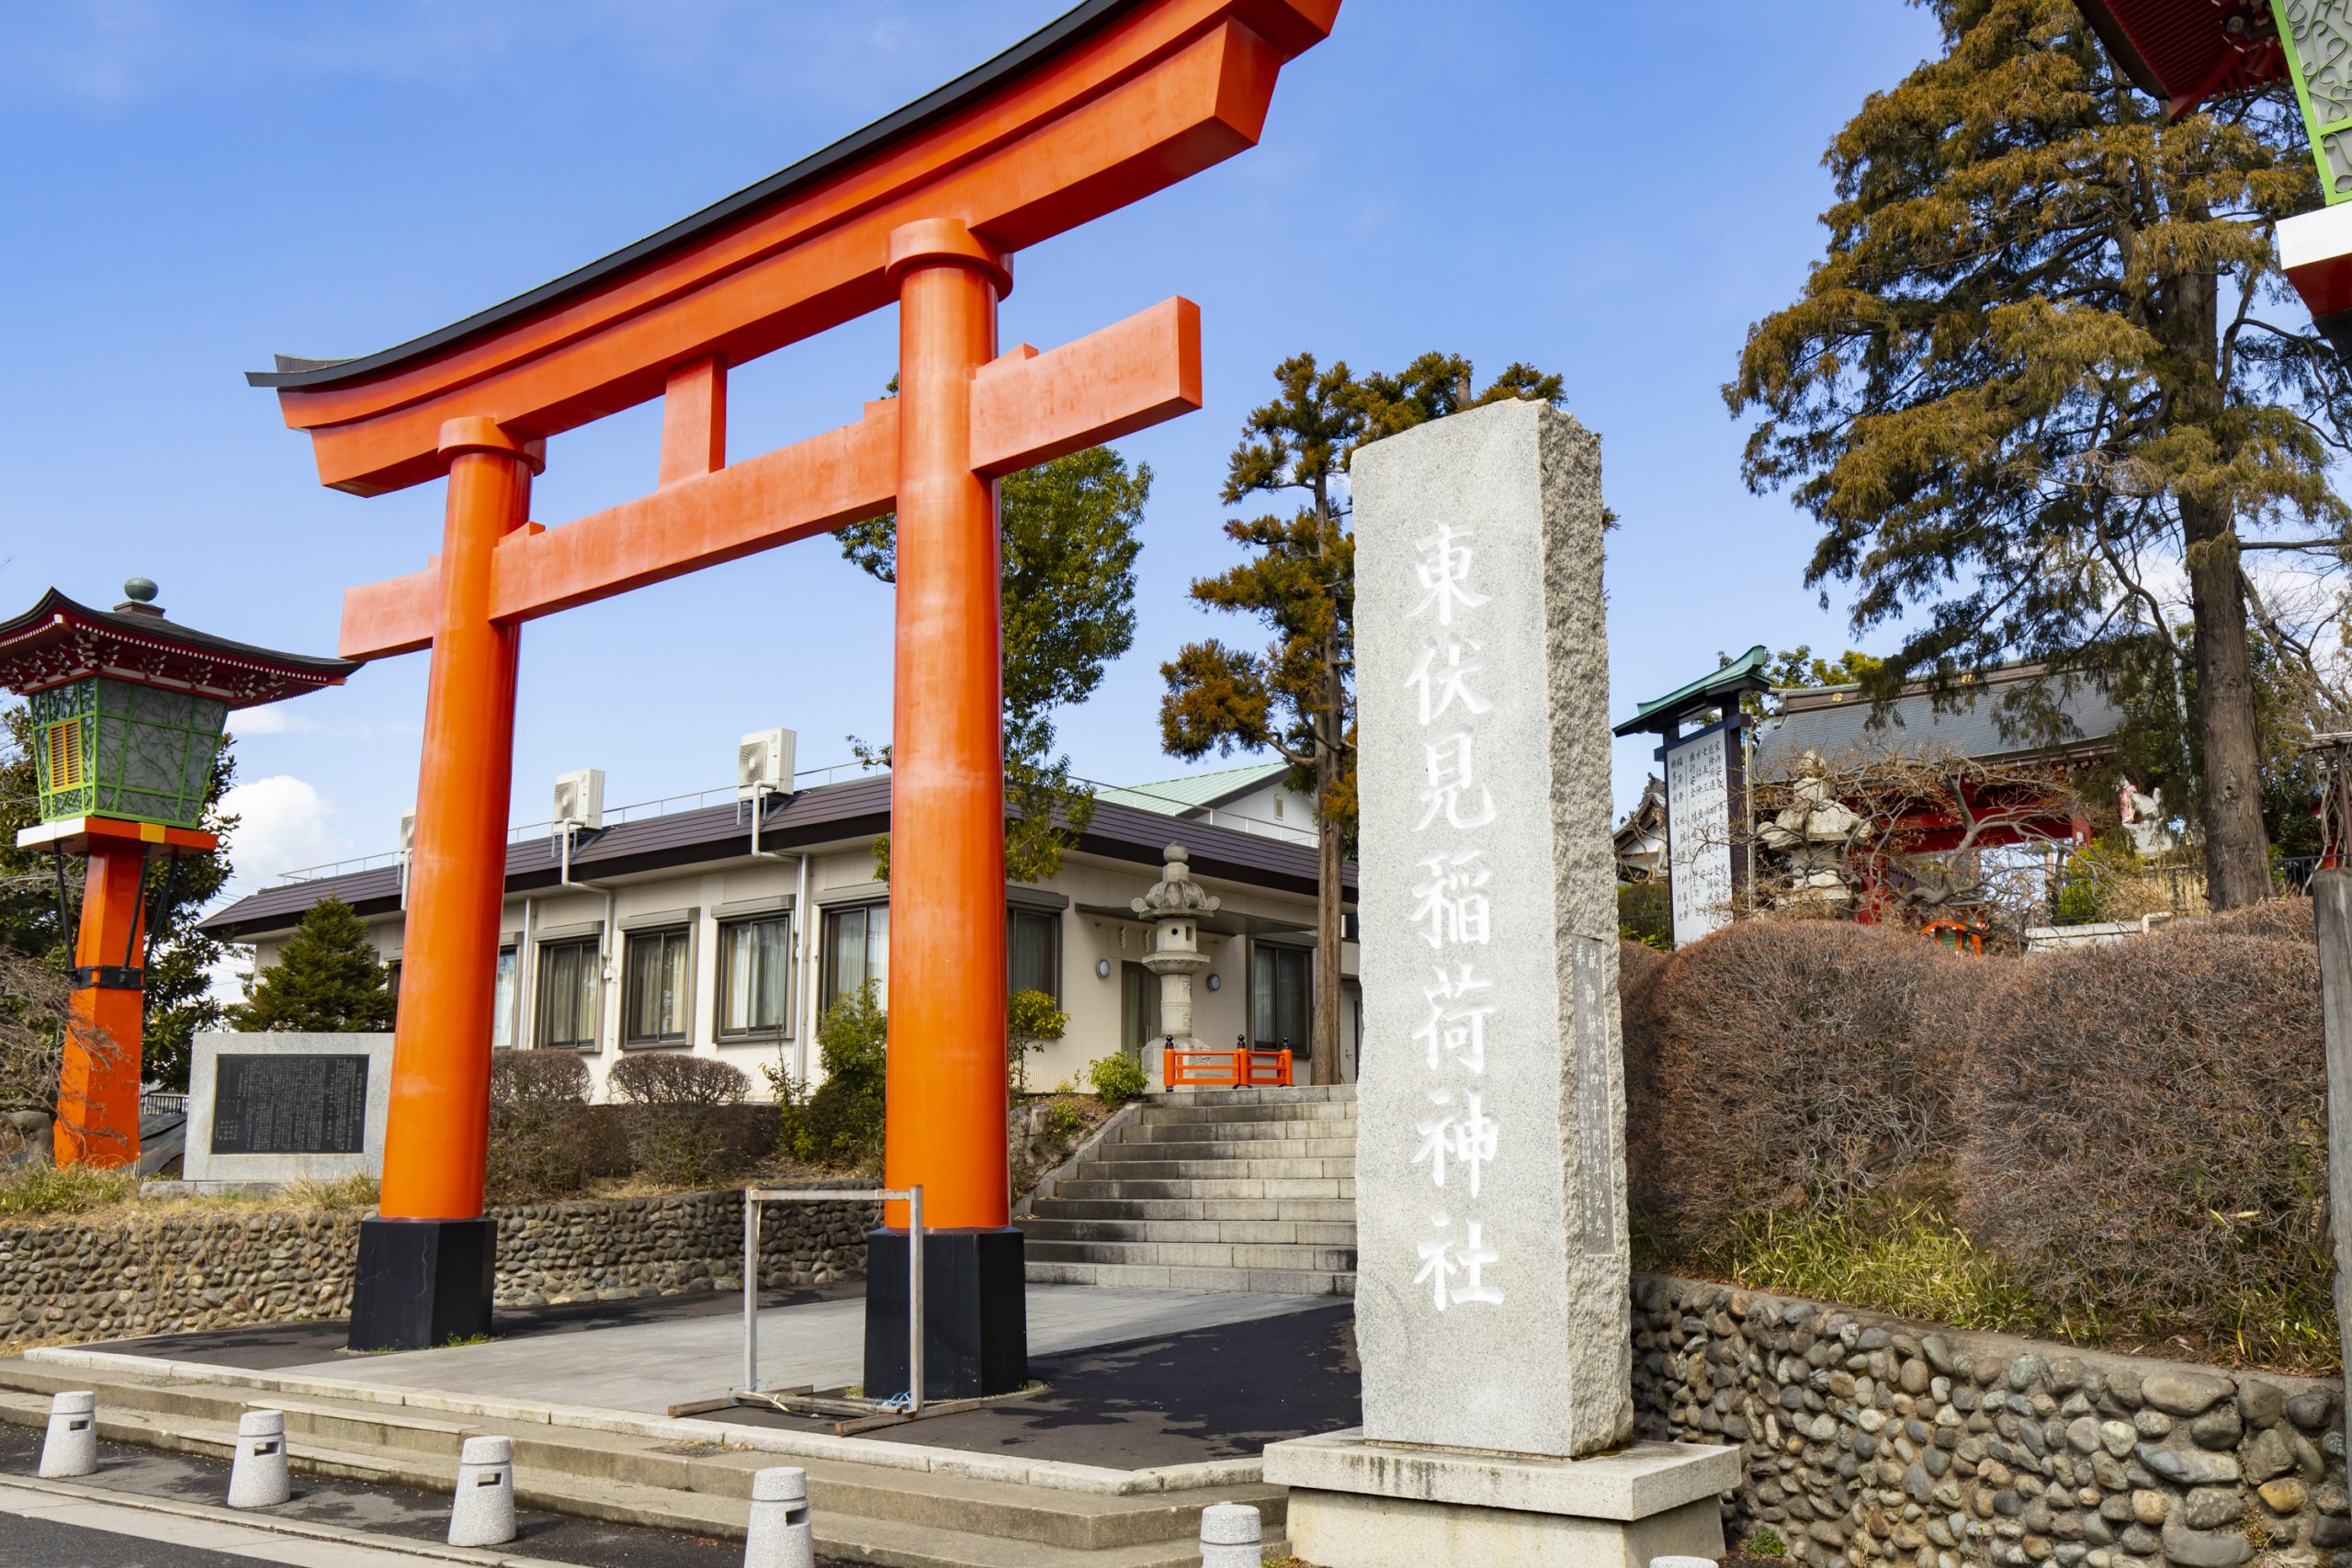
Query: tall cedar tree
(327,981)
(2044,353)
(1068,531)
(1297,699)
(179,985)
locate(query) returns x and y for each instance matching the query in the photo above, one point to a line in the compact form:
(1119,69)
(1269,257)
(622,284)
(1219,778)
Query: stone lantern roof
(1175,893)
(59,640)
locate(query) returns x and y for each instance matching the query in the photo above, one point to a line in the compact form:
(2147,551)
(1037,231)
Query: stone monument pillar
(1491,1288)
(1174,906)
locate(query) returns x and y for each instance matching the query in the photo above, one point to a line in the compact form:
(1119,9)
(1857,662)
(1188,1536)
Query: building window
(1033,951)
(656,999)
(501,1015)
(857,949)
(1280,995)
(567,985)
(755,977)
(1139,1007)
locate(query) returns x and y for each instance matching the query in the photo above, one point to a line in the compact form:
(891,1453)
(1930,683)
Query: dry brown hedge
(1789,1062)
(2137,1133)
(2147,1132)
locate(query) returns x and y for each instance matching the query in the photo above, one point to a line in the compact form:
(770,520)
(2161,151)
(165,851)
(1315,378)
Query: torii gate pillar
(947,974)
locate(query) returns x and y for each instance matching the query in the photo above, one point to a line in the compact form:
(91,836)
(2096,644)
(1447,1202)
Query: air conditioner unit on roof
(764,764)
(580,799)
(408,831)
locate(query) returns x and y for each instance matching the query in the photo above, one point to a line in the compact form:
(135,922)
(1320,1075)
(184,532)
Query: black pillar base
(976,1314)
(423,1282)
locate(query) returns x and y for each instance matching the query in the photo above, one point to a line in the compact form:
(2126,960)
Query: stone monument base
(1360,1504)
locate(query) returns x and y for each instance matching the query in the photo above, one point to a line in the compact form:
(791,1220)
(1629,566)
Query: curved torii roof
(1114,100)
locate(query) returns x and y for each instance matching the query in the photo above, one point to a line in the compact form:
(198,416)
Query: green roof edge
(1739,673)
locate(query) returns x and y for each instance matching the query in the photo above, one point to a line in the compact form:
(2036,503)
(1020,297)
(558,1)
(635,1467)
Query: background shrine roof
(826,814)
(59,639)
(293,371)
(1190,792)
(1744,674)
(2184,52)
(1831,720)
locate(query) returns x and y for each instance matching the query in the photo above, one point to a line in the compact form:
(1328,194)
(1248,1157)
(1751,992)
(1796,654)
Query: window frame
(1015,912)
(829,992)
(780,1031)
(512,1010)
(683,934)
(591,952)
(1304,956)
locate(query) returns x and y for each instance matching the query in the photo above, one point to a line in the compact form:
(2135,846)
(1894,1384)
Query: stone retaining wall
(170,1273)
(1867,1441)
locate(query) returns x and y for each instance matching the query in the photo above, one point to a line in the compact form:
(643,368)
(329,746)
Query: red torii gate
(924,209)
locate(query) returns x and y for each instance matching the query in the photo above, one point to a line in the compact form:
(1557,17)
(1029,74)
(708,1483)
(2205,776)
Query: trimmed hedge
(2122,1143)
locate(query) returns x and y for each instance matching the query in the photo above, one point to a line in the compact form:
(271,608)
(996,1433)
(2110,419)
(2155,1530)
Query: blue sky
(1612,192)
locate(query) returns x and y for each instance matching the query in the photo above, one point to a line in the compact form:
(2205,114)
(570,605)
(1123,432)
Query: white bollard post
(257,1477)
(71,1447)
(482,1512)
(782,1534)
(1230,1536)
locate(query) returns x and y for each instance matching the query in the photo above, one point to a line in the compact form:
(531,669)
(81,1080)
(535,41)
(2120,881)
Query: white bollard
(482,1512)
(781,1535)
(257,1477)
(1230,1536)
(72,1446)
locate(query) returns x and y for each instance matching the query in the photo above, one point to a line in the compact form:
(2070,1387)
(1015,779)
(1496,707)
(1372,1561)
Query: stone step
(1157,1277)
(1197,1255)
(1297,1094)
(1235,1133)
(1237,1149)
(1329,1167)
(1173,1113)
(881,1512)
(1319,1210)
(1053,1227)
(1127,1183)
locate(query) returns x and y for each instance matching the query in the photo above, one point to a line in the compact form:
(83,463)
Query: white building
(664,930)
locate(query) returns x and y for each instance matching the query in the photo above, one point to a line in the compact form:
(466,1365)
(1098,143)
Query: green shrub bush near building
(1117,1079)
(2122,1144)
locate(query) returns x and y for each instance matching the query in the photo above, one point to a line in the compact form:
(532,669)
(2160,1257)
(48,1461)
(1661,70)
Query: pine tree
(2048,354)
(1068,533)
(1297,699)
(327,981)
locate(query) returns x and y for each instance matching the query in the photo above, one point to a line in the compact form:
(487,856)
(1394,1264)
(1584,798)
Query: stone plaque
(1492,1273)
(276,1108)
(305,1104)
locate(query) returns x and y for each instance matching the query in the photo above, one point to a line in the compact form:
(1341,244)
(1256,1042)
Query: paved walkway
(651,1366)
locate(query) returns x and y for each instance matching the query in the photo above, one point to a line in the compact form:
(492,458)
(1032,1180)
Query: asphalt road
(54,1545)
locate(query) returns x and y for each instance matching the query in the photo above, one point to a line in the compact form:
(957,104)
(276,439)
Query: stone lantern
(1174,907)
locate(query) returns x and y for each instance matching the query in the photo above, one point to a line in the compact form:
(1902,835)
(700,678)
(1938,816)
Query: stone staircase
(1223,1190)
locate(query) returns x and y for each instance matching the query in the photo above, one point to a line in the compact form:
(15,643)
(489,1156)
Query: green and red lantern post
(127,709)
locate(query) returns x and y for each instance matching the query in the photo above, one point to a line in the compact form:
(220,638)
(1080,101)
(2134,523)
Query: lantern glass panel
(146,752)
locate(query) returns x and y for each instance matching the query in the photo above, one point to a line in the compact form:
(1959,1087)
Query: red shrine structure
(127,709)
(924,209)
(2187,52)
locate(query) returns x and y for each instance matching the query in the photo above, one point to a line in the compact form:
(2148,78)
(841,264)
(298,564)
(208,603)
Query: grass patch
(1764,1541)
(1909,1259)
(34,1190)
(347,1193)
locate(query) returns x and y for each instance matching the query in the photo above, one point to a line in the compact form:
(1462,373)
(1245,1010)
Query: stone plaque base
(1358,1504)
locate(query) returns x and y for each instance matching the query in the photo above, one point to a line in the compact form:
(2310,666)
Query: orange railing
(1224,1069)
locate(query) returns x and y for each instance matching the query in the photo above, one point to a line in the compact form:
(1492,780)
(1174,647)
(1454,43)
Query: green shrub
(1066,1118)
(1032,1020)
(1117,1079)
(841,1122)
(1764,1541)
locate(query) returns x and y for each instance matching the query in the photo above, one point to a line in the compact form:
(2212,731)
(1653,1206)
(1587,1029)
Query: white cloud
(270,720)
(283,825)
